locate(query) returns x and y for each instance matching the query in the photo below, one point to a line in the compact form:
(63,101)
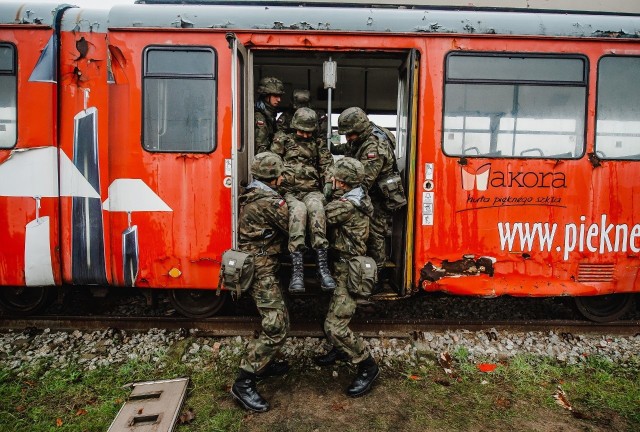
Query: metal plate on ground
(153,406)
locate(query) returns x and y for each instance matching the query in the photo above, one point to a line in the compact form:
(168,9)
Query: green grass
(519,393)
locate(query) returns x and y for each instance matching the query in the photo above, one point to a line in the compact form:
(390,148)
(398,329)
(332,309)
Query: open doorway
(379,83)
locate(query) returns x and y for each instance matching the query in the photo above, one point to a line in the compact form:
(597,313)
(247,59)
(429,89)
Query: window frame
(584,83)
(213,77)
(595,120)
(12,72)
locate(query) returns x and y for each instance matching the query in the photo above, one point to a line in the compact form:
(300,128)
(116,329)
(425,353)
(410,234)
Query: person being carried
(270,91)
(348,219)
(262,231)
(306,175)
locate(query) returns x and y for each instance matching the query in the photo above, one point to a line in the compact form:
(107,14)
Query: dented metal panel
(374,20)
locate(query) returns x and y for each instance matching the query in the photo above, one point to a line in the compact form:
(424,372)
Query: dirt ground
(315,402)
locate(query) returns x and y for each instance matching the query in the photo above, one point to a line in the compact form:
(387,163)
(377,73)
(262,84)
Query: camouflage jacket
(265,126)
(376,154)
(263,224)
(348,222)
(307,164)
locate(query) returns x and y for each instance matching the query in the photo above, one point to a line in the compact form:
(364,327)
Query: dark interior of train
(368,79)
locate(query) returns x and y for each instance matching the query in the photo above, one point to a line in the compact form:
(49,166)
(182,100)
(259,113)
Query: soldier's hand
(327,191)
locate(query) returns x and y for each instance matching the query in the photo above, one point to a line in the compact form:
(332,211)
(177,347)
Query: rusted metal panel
(29,13)
(374,20)
(152,407)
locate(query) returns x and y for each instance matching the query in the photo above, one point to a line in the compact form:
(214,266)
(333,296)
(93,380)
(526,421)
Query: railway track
(246,326)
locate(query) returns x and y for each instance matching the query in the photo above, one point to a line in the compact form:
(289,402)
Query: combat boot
(327,283)
(368,371)
(244,391)
(274,368)
(331,357)
(296,284)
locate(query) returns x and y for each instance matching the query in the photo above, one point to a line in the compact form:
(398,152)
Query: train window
(8,84)
(618,112)
(179,95)
(514,106)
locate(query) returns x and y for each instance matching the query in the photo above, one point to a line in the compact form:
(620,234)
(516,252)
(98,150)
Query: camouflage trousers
(268,297)
(341,310)
(306,212)
(379,229)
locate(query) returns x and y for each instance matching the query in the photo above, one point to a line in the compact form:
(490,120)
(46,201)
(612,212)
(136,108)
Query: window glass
(518,114)
(8,84)
(618,111)
(179,100)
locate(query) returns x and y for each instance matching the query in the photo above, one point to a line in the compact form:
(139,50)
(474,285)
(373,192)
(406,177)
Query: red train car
(517,139)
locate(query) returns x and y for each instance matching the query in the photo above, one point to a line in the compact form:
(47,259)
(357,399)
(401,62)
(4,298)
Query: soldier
(306,175)
(301,99)
(348,218)
(262,231)
(372,146)
(270,91)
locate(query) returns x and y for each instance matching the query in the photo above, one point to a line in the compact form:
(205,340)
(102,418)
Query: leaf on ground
(442,382)
(58,422)
(561,399)
(20,408)
(81,412)
(487,367)
(415,377)
(445,362)
(187,417)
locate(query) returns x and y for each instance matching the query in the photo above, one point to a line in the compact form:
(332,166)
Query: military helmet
(301,98)
(304,119)
(352,120)
(349,171)
(270,86)
(267,166)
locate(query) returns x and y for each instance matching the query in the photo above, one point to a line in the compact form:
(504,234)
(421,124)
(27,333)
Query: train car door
(240,143)
(406,133)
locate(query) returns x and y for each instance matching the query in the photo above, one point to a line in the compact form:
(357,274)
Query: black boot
(245,392)
(327,283)
(331,357)
(368,371)
(296,285)
(274,368)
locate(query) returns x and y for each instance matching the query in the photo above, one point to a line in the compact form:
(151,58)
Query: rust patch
(595,160)
(467,266)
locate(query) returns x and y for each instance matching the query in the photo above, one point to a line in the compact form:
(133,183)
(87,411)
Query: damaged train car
(126,135)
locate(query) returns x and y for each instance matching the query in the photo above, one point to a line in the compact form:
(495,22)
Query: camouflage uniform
(262,229)
(301,99)
(348,220)
(265,114)
(376,154)
(307,169)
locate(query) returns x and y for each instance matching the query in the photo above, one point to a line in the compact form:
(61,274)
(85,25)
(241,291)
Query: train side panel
(529,208)
(169,201)
(29,203)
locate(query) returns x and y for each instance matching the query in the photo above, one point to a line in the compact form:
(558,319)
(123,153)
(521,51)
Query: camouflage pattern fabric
(307,167)
(262,231)
(377,158)
(265,126)
(306,210)
(308,163)
(348,220)
(284,122)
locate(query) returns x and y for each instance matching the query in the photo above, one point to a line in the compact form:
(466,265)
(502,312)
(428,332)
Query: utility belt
(392,191)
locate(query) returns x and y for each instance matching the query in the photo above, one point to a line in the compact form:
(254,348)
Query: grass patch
(517,395)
